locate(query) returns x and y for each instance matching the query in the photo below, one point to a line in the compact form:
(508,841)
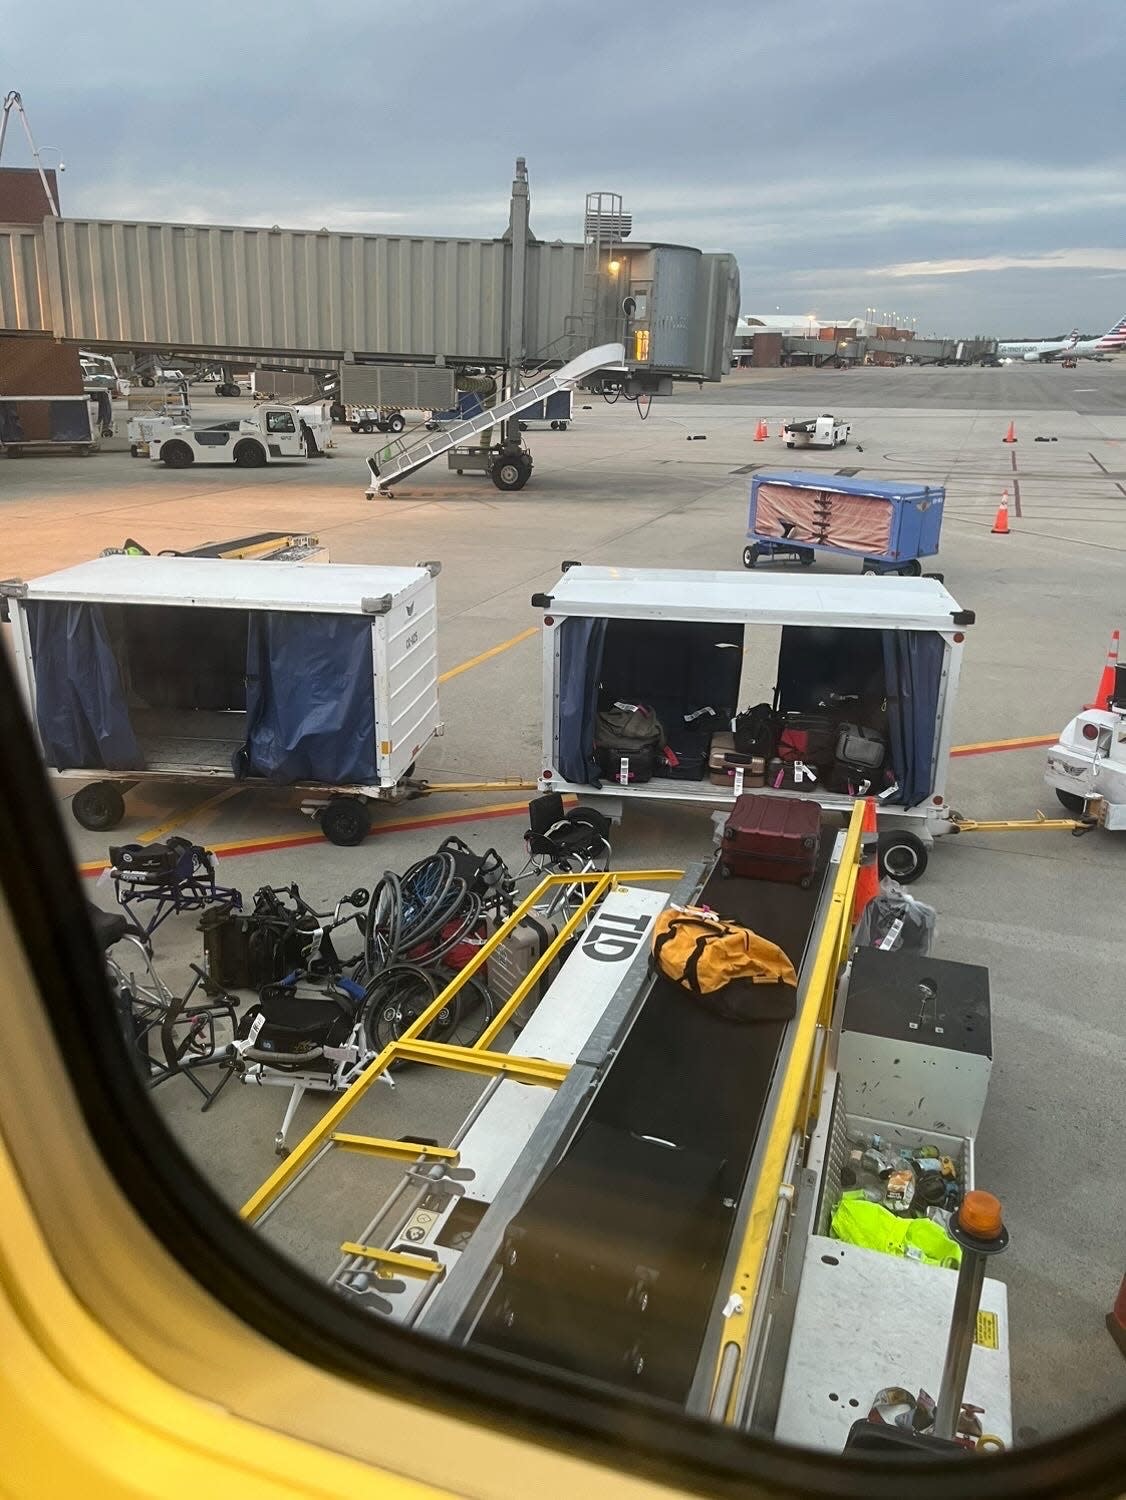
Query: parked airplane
(1113,341)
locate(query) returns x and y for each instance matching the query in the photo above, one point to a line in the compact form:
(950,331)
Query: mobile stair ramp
(395,462)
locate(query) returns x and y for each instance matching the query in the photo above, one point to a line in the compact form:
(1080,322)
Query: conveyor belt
(611,1267)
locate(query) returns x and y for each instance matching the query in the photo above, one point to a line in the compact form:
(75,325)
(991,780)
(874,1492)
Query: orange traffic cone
(781,429)
(868,876)
(1001,520)
(1105,689)
(1011,435)
(760,432)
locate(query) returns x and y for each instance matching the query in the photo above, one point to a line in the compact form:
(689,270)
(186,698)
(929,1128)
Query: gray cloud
(962,163)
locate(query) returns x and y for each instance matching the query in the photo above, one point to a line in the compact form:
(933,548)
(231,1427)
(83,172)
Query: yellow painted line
(171,824)
(475,661)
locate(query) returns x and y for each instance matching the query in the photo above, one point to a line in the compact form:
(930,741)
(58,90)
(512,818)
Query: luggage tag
(739,772)
(623,767)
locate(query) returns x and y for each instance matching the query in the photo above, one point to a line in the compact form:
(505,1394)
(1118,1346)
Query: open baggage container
(318,676)
(887,649)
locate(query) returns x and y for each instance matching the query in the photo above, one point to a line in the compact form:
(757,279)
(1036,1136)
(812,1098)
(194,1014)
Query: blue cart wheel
(751,556)
(912,569)
(806,558)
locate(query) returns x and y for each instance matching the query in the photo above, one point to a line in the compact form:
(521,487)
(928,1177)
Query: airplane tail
(1114,338)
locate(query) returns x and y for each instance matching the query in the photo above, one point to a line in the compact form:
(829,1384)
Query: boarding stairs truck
(508,463)
(266,435)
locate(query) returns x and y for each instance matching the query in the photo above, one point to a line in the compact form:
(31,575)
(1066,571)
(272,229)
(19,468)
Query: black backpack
(754,731)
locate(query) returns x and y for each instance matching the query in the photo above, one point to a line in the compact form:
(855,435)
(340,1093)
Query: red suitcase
(772,838)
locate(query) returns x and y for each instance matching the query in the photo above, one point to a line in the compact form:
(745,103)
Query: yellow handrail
(791,1113)
(321,1135)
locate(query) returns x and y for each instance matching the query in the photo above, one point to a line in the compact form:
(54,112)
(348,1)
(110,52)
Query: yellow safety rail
(477,1059)
(797,1099)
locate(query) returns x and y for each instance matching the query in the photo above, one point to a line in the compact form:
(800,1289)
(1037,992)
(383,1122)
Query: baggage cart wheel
(869,570)
(562,427)
(1074,805)
(346,821)
(148,381)
(98,805)
(365,427)
(751,556)
(220,390)
(177,455)
(511,471)
(806,558)
(396,422)
(912,569)
(902,856)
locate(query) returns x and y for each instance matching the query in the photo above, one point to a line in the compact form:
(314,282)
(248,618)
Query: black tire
(365,427)
(902,856)
(220,390)
(555,426)
(147,380)
(177,455)
(868,572)
(396,997)
(250,454)
(511,471)
(132,450)
(98,805)
(523,426)
(751,556)
(346,821)
(1071,803)
(912,569)
(807,559)
(562,427)
(396,422)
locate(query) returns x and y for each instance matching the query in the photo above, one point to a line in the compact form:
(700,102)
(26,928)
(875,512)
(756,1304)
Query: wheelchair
(187,1029)
(176,876)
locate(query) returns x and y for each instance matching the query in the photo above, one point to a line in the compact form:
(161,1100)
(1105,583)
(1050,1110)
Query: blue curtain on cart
(581,643)
(80,704)
(913,675)
(310,699)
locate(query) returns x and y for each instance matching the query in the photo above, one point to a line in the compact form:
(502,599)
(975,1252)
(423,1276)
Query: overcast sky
(961,162)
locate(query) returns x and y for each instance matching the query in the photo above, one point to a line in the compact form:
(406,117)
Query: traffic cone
(1105,690)
(1011,435)
(1001,520)
(868,876)
(781,429)
(760,432)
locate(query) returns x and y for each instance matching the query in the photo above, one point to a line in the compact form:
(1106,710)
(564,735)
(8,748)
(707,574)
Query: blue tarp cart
(557,410)
(888,524)
(318,676)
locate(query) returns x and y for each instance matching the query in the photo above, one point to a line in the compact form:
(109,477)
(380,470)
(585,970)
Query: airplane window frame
(278,1300)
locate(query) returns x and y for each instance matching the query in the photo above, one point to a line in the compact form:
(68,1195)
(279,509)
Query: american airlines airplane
(1113,341)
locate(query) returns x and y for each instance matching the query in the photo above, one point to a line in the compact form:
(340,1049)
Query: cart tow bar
(1078,826)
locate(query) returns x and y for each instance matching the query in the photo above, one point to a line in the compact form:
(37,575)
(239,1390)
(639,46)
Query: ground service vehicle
(266,435)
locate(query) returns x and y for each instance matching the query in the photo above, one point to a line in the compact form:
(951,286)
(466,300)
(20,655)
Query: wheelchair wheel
(396,998)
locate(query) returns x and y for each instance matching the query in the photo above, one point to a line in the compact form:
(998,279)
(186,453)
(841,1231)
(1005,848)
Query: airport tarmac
(1040,909)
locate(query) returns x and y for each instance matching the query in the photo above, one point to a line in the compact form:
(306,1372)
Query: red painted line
(299,840)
